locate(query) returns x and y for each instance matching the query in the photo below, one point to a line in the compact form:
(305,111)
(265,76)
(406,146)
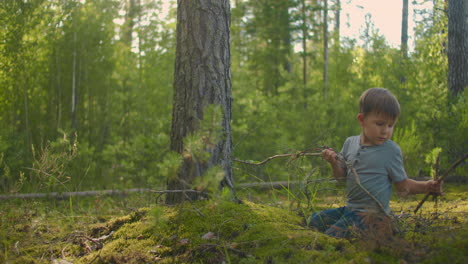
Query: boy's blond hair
(379,101)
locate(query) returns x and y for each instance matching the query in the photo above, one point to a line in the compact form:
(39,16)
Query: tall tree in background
(404,39)
(22,72)
(271,25)
(128,78)
(131,12)
(404,29)
(337,21)
(325,48)
(457,46)
(74,93)
(305,35)
(202,79)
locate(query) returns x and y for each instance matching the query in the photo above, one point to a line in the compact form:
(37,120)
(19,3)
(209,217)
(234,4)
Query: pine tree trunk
(59,93)
(74,122)
(304,50)
(27,117)
(132,8)
(325,48)
(202,77)
(404,40)
(457,46)
(404,29)
(337,22)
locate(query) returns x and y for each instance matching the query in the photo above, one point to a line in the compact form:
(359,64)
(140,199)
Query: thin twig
(358,181)
(193,205)
(177,191)
(294,155)
(441,178)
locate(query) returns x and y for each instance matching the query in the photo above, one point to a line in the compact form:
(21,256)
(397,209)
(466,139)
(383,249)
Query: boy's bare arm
(339,173)
(409,186)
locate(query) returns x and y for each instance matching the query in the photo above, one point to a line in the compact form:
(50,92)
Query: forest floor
(267,227)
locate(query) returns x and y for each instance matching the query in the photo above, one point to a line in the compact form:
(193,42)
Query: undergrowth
(267,227)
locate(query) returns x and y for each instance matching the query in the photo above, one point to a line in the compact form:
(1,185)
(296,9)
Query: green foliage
(411,146)
(169,166)
(124,93)
(51,166)
(136,162)
(209,181)
(119,134)
(432,158)
(206,136)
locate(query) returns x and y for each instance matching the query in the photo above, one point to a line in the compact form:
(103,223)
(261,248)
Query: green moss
(123,251)
(219,231)
(114,224)
(248,233)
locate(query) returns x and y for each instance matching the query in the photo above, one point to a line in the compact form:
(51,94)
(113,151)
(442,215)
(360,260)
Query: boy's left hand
(434,187)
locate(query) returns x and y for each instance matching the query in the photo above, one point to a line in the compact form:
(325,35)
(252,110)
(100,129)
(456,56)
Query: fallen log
(64,195)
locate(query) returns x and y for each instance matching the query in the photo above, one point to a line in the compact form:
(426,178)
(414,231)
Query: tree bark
(202,77)
(457,47)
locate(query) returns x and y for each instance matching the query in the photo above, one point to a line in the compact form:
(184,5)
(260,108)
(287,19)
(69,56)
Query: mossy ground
(264,228)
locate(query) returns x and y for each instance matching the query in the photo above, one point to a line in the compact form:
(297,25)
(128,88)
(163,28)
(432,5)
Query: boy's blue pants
(336,222)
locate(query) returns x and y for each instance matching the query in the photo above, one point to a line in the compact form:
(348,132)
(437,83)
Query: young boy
(374,162)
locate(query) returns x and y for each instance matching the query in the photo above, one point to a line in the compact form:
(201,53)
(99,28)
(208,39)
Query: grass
(268,227)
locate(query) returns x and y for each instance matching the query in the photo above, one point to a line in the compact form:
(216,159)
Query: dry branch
(441,178)
(279,184)
(358,182)
(293,155)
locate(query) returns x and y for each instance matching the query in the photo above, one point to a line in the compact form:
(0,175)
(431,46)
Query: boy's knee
(338,232)
(324,219)
(316,221)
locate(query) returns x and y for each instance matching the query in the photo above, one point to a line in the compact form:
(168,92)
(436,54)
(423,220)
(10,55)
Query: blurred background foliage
(86,91)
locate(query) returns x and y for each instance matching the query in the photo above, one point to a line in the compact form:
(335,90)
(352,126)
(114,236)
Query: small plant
(433,160)
(50,166)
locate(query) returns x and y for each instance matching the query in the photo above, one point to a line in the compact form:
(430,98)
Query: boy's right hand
(329,155)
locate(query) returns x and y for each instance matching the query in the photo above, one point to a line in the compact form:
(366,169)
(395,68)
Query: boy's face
(376,128)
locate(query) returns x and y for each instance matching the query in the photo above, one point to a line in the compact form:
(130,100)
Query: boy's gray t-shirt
(378,167)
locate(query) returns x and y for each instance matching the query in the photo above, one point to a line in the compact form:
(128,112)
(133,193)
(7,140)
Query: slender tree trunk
(132,9)
(404,30)
(202,77)
(325,49)
(74,122)
(404,40)
(286,43)
(457,46)
(316,20)
(26,116)
(304,50)
(337,22)
(140,60)
(132,12)
(59,92)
